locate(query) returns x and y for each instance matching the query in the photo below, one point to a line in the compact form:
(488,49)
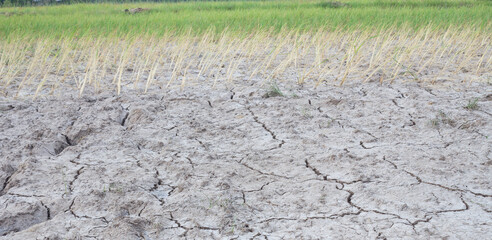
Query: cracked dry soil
(354,162)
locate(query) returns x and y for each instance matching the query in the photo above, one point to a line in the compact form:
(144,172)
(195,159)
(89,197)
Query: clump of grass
(472,104)
(274,91)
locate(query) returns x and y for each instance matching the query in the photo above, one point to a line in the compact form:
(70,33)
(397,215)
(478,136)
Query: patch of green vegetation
(274,91)
(472,104)
(108,19)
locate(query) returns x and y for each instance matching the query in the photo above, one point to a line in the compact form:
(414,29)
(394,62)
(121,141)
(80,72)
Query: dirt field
(361,161)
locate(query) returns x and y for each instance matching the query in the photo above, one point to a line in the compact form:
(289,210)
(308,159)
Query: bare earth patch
(358,161)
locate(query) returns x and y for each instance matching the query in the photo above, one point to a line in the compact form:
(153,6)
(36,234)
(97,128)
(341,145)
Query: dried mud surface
(353,162)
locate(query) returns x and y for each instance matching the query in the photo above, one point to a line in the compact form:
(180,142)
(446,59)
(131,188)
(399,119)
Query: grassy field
(243,16)
(43,49)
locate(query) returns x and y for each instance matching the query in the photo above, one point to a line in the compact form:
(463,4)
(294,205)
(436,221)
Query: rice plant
(97,47)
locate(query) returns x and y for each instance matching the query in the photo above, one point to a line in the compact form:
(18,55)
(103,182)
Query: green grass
(274,91)
(240,16)
(472,104)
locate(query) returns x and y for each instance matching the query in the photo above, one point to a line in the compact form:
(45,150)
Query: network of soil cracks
(405,160)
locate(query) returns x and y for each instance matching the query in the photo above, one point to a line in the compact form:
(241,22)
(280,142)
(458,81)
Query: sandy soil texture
(361,161)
